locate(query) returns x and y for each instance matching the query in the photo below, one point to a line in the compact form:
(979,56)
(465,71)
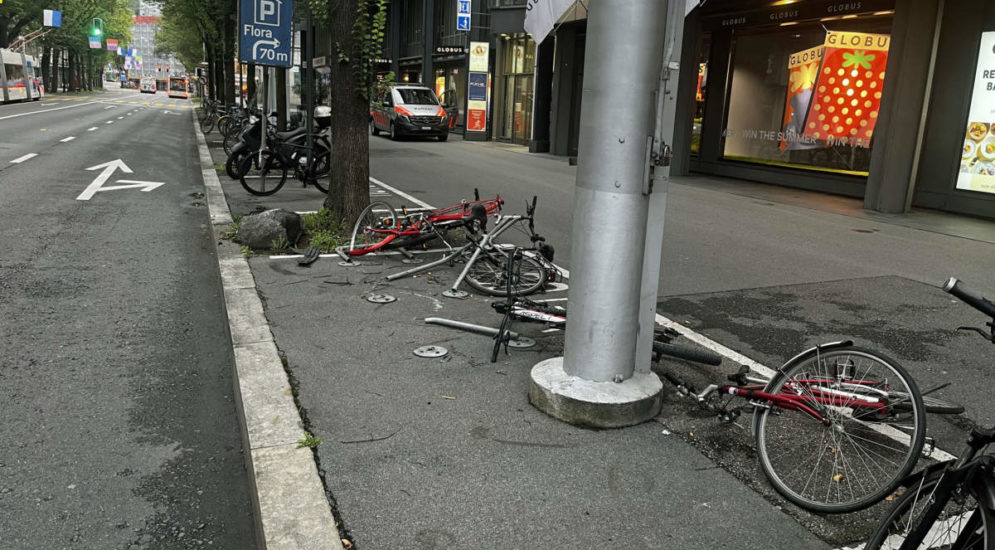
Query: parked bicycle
(837,427)
(949,505)
(265,174)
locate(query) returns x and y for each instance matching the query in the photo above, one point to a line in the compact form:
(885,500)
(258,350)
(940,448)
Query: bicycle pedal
(928,446)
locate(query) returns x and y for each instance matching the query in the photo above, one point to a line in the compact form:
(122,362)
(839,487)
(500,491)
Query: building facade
(884,100)
(145,62)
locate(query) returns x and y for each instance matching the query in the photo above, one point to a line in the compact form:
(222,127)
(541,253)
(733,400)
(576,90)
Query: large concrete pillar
(901,121)
(595,383)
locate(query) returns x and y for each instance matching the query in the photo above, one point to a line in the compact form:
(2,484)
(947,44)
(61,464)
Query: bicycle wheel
(866,443)
(320,167)
(695,355)
(223,124)
(265,178)
(207,123)
(489,274)
(961,525)
(236,163)
(374,228)
(230,140)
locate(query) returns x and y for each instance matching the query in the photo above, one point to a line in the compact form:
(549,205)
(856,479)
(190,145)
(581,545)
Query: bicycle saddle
(291,134)
(476,220)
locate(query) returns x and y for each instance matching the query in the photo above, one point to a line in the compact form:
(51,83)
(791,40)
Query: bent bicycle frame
(486,239)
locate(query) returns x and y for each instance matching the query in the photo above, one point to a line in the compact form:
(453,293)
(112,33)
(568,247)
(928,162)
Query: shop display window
(701,62)
(807,95)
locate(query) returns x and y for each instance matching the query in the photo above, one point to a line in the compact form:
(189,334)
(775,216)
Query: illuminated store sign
(977,164)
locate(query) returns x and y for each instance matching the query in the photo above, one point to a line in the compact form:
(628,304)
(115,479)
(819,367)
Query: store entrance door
(517,108)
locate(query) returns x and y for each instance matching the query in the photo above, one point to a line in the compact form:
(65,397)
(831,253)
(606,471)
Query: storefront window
(807,95)
(701,62)
(518,65)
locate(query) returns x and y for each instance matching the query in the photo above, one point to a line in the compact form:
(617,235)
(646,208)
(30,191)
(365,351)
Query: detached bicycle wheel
(264,178)
(870,436)
(961,525)
(375,227)
(490,274)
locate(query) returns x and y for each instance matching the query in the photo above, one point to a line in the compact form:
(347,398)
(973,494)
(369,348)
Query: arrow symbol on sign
(272,43)
(109,168)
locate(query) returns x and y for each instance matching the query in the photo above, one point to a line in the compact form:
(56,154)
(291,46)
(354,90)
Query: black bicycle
(950,505)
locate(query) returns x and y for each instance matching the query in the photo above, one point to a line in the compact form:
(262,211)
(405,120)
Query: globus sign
(265,36)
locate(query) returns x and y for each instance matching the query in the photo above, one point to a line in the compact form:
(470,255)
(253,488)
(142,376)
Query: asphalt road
(116,369)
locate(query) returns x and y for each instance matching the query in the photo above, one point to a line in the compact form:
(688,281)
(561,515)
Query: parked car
(148,86)
(409,110)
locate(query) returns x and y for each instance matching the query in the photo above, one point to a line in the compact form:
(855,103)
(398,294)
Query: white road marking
(28,156)
(108,107)
(91,129)
(402,194)
(110,122)
(120,117)
(47,110)
(70,138)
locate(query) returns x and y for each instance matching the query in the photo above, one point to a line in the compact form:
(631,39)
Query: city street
(761,272)
(120,428)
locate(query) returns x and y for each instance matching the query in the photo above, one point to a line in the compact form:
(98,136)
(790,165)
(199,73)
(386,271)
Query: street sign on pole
(463,11)
(265,32)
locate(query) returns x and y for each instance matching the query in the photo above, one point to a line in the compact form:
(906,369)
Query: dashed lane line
(28,156)
(67,139)
(46,110)
(91,129)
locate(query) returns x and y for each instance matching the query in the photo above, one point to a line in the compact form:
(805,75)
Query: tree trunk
(46,68)
(212,74)
(229,56)
(349,191)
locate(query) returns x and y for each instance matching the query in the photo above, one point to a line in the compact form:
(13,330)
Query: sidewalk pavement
(448,453)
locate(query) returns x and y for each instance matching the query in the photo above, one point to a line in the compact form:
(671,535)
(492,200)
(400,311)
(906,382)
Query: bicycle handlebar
(970,297)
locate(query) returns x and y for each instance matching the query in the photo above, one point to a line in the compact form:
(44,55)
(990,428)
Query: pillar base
(594,404)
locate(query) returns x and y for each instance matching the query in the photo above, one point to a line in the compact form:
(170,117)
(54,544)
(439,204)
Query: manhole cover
(380,298)
(431,351)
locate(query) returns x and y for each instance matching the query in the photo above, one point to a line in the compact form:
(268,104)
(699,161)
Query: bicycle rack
(347,260)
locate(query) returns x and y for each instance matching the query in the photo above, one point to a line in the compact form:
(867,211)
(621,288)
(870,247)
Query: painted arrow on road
(109,168)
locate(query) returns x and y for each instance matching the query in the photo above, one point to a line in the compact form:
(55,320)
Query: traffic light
(97,28)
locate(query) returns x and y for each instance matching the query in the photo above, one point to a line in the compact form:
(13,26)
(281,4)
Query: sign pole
(596,383)
(265,113)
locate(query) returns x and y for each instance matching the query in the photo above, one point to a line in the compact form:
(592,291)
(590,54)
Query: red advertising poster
(803,70)
(848,91)
(476,120)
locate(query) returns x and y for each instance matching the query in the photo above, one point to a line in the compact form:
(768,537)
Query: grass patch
(322,230)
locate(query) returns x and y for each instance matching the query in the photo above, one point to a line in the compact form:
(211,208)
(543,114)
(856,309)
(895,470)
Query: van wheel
(373,128)
(443,137)
(393,132)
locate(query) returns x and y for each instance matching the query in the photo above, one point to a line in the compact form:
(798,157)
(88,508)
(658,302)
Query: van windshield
(417,96)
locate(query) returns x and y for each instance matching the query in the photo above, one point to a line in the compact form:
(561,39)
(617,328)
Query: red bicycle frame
(412,226)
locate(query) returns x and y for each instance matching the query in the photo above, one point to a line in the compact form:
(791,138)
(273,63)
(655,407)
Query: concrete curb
(291,511)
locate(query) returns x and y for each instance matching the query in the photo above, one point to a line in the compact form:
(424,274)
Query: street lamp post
(596,382)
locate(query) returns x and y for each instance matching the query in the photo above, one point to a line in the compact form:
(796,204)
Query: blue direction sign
(265,32)
(463,10)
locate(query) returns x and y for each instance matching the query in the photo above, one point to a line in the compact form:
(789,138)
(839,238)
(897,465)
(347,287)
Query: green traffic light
(96,32)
